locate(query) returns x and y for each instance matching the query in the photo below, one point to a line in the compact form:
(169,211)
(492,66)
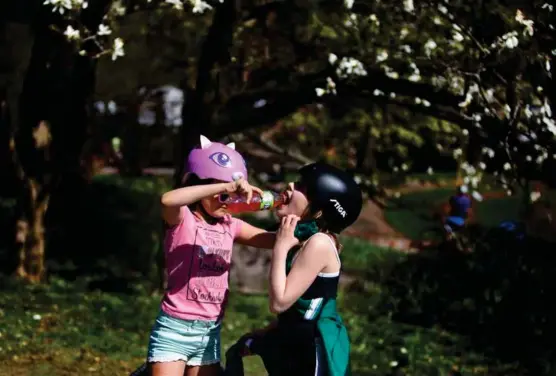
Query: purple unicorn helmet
(217,161)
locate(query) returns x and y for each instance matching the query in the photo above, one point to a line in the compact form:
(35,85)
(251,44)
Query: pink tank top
(198,257)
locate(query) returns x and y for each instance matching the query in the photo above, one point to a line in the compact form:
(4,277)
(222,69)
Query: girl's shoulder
(321,238)
(320,243)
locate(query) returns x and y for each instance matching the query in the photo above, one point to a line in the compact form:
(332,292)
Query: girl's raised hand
(242,187)
(285,238)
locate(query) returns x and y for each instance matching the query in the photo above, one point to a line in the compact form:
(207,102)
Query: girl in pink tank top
(185,338)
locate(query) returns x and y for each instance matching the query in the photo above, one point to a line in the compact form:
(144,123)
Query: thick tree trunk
(30,231)
(196,114)
(49,130)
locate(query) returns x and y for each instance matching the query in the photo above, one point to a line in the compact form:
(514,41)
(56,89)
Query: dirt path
(373,226)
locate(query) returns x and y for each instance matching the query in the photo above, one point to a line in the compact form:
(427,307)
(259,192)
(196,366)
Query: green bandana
(304,230)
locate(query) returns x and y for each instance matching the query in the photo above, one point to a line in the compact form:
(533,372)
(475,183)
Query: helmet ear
(232,145)
(205,142)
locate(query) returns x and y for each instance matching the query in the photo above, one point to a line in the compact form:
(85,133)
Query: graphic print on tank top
(209,267)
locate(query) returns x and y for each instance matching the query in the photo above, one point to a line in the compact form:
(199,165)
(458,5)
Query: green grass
(64,329)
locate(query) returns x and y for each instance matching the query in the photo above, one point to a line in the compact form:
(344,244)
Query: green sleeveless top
(318,304)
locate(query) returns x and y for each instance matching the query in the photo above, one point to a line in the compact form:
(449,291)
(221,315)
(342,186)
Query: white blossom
(200,6)
(103,30)
(118,48)
(520,17)
(177,4)
(430,46)
(408,6)
(457,36)
(71,33)
(382,56)
(349,66)
(60,6)
(477,196)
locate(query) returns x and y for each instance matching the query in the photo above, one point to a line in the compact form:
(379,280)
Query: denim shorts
(196,342)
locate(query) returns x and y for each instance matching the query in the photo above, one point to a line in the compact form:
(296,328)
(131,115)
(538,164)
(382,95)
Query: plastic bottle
(268,201)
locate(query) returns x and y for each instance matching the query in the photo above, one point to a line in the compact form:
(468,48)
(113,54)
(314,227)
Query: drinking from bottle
(268,201)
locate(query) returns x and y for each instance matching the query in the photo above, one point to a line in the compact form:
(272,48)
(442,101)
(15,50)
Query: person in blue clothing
(460,210)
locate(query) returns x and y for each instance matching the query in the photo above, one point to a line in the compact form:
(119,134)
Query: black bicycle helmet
(334,192)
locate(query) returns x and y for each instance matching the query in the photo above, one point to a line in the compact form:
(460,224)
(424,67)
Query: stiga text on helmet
(339,208)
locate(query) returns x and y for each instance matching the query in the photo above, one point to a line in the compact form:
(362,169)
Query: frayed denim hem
(167,359)
(204,363)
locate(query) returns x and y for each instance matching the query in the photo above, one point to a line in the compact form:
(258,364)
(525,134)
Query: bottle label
(267,200)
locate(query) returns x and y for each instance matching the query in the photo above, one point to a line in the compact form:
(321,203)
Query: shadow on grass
(110,229)
(500,297)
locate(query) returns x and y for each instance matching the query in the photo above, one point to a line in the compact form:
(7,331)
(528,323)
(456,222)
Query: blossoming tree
(483,69)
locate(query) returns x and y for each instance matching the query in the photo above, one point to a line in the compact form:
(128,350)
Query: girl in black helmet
(309,337)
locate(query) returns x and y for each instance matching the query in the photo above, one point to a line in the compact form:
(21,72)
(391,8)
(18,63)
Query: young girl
(185,338)
(308,338)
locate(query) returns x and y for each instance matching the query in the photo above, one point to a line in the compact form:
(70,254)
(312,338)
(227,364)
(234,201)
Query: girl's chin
(219,213)
(282,211)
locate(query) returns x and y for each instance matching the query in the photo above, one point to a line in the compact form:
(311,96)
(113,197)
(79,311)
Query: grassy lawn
(65,329)
(399,311)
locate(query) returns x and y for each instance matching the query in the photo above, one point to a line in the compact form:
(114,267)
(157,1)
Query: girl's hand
(242,187)
(285,239)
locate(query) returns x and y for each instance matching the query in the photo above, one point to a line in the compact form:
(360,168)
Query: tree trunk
(49,130)
(196,114)
(30,231)
(363,149)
